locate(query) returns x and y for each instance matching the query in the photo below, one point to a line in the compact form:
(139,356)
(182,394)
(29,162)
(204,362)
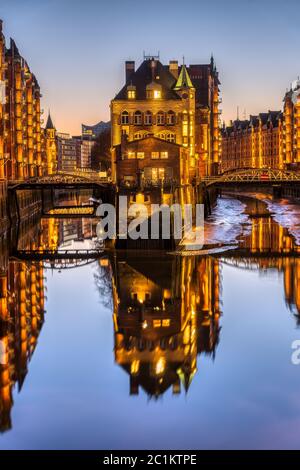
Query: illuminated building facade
(291,111)
(253,143)
(50,146)
(165,123)
(26,150)
(268,140)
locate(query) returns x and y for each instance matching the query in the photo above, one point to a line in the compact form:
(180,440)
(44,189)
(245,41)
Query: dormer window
(153,91)
(131,92)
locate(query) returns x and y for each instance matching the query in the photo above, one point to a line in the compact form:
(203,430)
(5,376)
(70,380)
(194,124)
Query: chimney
(173,68)
(129,69)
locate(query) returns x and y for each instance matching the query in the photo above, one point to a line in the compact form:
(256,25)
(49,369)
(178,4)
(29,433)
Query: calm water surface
(154,352)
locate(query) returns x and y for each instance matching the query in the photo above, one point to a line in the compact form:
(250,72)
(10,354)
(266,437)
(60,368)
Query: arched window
(171,137)
(148,118)
(168,136)
(125,117)
(170,118)
(160,118)
(137,118)
(140,135)
(162,135)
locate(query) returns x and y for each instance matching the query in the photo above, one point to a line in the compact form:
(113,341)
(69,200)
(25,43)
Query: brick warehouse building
(253,143)
(268,140)
(26,149)
(170,117)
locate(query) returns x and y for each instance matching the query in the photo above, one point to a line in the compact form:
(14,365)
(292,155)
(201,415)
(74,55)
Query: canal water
(157,352)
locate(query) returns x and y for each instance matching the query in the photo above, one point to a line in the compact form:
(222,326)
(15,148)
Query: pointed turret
(184,80)
(49,124)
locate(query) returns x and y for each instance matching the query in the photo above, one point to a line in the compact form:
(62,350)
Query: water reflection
(22,295)
(166,309)
(166,313)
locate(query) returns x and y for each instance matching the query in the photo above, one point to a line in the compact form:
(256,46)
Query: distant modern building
(92,132)
(68,152)
(85,154)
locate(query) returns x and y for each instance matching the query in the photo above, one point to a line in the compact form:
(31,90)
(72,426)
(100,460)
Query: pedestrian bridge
(61,180)
(259,176)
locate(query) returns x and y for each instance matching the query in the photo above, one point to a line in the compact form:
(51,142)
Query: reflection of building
(269,240)
(166,312)
(21,319)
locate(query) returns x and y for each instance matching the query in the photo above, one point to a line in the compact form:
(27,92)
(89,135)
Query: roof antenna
(237,113)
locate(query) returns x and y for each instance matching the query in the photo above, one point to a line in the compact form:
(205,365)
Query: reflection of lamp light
(145,324)
(160,366)
(135,365)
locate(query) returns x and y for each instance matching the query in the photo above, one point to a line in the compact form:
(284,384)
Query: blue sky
(77,49)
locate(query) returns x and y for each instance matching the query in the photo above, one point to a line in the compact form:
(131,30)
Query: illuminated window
(162,136)
(170,118)
(131,94)
(155,155)
(135,365)
(166,322)
(160,119)
(125,117)
(160,366)
(131,155)
(157,174)
(164,155)
(137,118)
(148,118)
(171,137)
(156,323)
(184,129)
(140,155)
(157,94)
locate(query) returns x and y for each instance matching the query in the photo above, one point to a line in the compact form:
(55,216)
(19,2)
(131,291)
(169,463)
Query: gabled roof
(148,72)
(184,80)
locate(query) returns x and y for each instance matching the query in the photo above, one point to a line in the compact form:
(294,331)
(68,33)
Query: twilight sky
(77,48)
